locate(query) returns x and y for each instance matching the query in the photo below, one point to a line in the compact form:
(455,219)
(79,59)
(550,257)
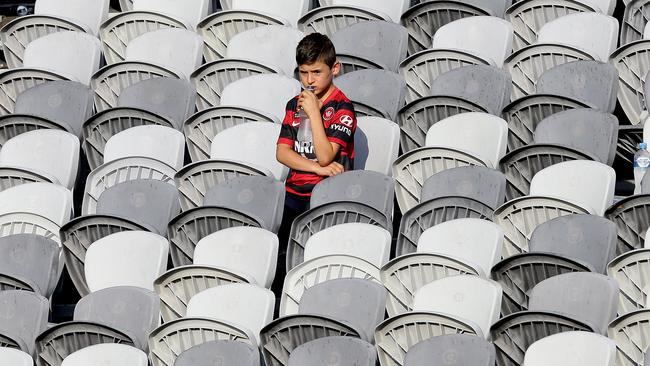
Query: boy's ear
(336,68)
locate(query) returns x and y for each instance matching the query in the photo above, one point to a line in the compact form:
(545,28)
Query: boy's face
(318,74)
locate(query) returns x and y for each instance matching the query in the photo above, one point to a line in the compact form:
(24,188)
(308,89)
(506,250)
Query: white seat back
(368,242)
(107,354)
(241,304)
(189,12)
(252,143)
(602,6)
(45,199)
(271,45)
(376,144)
(571,348)
(594,33)
(74,55)
(178,50)
(52,152)
(290,10)
(244,250)
(15,357)
(469,298)
(128,258)
(394,9)
(474,241)
(157,142)
(480,134)
(484,36)
(267,93)
(589,184)
(90,14)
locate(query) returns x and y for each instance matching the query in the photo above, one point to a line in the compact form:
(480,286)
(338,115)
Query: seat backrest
(257,196)
(583,129)
(74,55)
(381,42)
(474,241)
(15,357)
(589,184)
(596,34)
(23,315)
(129,258)
(148,202)
(394,9)
(602,6)
(291,10)
(483,184)
(90,14)
(271,45)
(173,99)
(365,241)
(247,250)
(587,238)
(571,348)
(452,350)
(178,50)
(488,86)
(191,12)
(152,141)
(376,144)
(245,305)
(31,257)
(588,297)
(68,103)
(592,82)
(469,298)
(46,199)
(107,354)
(359,302)
(322,351)
(132,310)
(223,352)
(480,134)
(487,37)
(52,152)
(380,89)
(266,93)
(252,143)
(371,188)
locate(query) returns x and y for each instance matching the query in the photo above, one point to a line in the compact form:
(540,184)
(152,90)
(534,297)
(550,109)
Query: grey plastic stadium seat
(480,183)
(374,92)
(344,351)
(32,258)
(256,196)
(330,19)
(19,80)
(592,82)
(67,103)
(170,98)
(451,350)
(23,316)
(8,282)
(221,352)
(629,271)
(629,215)
(383,43)
(370,188)
(629,60)
(635,20)
(151,203)
(487,86)
(630,332)
(583,129)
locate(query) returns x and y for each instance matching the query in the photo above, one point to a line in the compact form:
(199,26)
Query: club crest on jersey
(329,113)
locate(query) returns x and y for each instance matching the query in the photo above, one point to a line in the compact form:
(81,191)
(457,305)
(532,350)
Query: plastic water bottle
(641,164)
(305,136)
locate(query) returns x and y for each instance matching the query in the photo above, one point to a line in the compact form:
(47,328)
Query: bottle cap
(643,145)
(311,88)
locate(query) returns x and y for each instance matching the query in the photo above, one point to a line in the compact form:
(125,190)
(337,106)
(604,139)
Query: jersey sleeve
(341,130)
(286,130)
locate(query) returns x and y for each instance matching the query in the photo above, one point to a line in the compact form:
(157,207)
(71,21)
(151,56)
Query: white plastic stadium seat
(602,6)
(45,199)
(177,50)
(365,241)
(589,184)
(487,37)
(51,152)
(474,241)
(189,12)
(267,94)
(247,306)
(243,250)
(480,134)
(89,14)
(128,258)
(270,45)
(469,298)
(594,33)
(15,357)
(74,55)
(291,10)
(152,141)
(107,354)
(376,144)
(252,143)
(570,349)
(394,9)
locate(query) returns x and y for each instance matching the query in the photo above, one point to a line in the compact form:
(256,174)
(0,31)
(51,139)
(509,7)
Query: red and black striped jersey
(340,125)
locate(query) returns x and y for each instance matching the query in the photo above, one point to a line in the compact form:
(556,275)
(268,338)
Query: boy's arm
(285,155)
(325,150)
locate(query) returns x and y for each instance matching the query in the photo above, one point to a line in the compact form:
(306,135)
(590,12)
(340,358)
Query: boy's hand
(310,103)
(330,170)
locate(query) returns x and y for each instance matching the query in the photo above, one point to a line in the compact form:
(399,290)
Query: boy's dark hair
(315,47)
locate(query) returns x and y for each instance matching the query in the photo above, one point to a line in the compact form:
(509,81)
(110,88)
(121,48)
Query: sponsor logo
(346,121)
(343,129)
(303,148)
(295,124)
(329,113)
